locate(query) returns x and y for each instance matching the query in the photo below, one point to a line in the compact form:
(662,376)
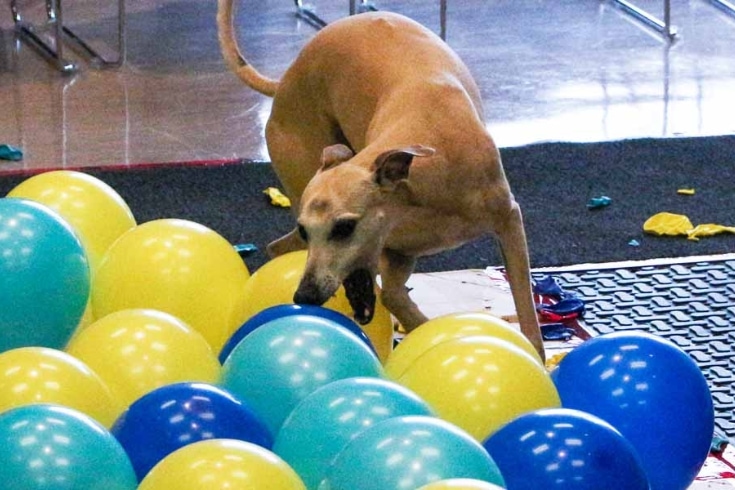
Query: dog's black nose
(306,297)
(308,293)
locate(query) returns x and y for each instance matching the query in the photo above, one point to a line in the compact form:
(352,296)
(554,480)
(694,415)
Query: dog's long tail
(231,53)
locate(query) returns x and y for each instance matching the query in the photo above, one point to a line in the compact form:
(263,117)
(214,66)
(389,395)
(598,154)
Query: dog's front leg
(512,239)
(395,269)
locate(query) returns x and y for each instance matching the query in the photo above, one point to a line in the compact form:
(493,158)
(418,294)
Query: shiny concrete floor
(575,70)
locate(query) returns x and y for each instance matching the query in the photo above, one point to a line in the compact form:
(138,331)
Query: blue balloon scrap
(246,249)
(10,153)
(547,286)
(599,202)
(556,331)
(566,306)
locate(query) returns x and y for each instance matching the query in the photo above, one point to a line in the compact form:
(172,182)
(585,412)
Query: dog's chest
(421,231)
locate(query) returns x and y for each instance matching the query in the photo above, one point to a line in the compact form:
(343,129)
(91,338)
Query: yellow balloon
(95,211)
(480,383)
(276,282)
(448,327)
(221,464)
(32,375)
(136,351)
(176,266)
(461,484)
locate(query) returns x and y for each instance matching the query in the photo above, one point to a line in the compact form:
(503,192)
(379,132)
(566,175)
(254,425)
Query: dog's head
(342,218)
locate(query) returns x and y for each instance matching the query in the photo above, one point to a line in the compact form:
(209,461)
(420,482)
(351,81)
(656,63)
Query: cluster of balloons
(147,356)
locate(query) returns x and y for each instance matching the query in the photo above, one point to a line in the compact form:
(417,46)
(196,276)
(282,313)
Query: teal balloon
(325,421)
(287,359)
(405,453)
(49,447)
(44,276)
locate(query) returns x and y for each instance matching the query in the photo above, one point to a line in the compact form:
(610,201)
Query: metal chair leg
(307,12)
(26,33)
(663,27)
(725,6)
(443,19)
(54,54)
(96,59)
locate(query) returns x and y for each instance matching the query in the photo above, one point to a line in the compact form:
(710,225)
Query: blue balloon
(325,421)
(287,359)
(280,311)
(176,415)
(652,392)
(409,452)
(44,276)
(49,446)
(565,449)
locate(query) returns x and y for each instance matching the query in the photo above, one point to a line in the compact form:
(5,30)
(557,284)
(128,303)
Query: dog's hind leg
(513,246)
(295,160)
(395,269)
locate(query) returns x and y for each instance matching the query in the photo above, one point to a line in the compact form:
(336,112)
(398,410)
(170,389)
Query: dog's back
(367,72)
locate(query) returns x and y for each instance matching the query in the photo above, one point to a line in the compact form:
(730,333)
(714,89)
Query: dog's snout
(307,296)
(309,293)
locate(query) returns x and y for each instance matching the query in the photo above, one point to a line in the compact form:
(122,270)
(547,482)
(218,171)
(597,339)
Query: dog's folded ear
(392,166)
(335,154)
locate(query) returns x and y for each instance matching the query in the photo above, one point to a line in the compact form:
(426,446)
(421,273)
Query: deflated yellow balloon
(276,282)
(221,464)
(677,224)
(136,351)
(448,327)
(95,211)
(480,383)
(708,229)
(32,375)
(461,484)
(176,266)
(667,224)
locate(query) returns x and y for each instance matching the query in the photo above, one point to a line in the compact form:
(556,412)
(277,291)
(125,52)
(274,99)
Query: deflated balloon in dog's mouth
(360,293)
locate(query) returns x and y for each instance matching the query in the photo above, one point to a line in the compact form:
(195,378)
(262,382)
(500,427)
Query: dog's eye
(302,233)
(343,229)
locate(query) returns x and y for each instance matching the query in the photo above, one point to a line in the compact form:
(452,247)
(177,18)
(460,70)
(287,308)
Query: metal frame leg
(663,27)
(307,12)
(26,33)
(365,6)
(54,54)
(725,6)
(443,19)
(96,59)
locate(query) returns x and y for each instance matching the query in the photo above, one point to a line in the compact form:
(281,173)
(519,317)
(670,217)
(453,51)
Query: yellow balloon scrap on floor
(671,224)
(277,197)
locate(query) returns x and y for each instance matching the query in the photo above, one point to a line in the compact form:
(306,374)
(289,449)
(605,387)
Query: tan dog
(377,135)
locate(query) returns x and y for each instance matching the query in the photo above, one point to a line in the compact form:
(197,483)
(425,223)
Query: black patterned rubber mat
(691,303)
